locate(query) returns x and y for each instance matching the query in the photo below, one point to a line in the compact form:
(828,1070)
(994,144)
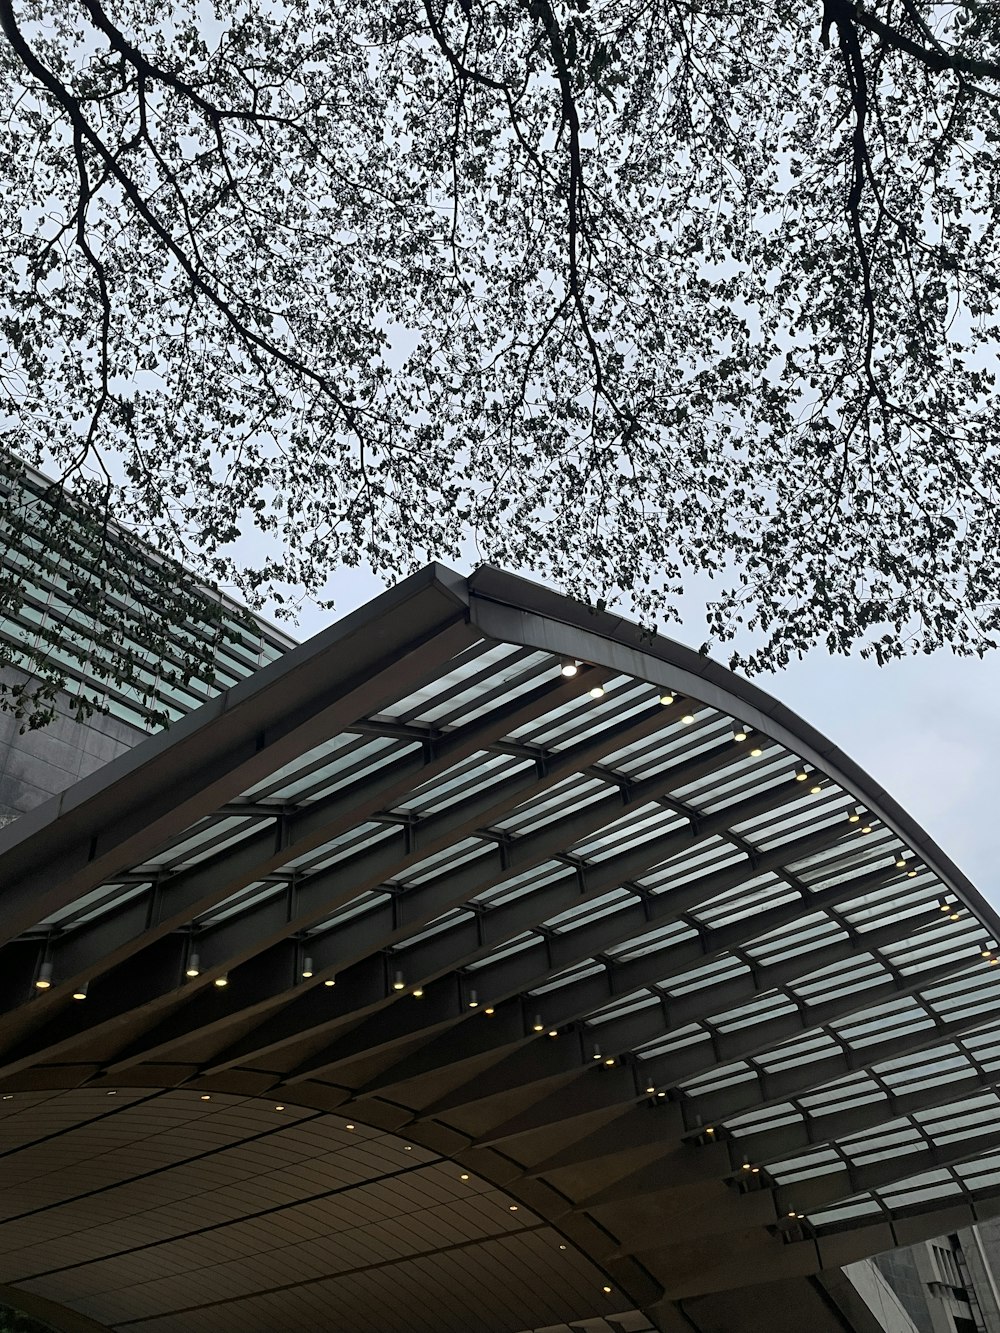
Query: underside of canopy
(590,982)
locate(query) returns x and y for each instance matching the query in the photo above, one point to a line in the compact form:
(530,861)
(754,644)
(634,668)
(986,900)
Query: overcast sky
(927,729)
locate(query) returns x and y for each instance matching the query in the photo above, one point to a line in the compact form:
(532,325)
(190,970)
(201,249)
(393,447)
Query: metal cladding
(630,948)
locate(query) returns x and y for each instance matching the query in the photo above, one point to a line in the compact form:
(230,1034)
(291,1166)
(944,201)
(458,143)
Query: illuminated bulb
(650,1089)
(512,1208)
(407,1148)
(687,719)
(793,1214)
(994,961)
(943,905)
(473,1000)
(855,816)
(954,916)
(739,732)
(399,983)
(801,775)
(553,1032)
(464,1175)
(911,874)
(607,1289)
(307,967)
(222,981)
(866,828)
(348,1126)
(81,991)
(746,1166)
(815,789)
(756,752)
(755,1170)
(568,666)
(710,1129)
(418,992)
(562,1247)
(610,1061)
(986,951)
(597,692)
(194,967)
(538,1025)
(661,1094)
(280,1106)
(489,1010)
(667,698)
(597,1052)
(330,981)
(206,1097)
(44,980)
(900,863)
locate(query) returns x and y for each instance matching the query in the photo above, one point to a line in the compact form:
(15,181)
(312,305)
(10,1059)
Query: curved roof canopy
(660,993)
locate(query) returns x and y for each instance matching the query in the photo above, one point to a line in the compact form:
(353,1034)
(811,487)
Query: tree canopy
(617,292)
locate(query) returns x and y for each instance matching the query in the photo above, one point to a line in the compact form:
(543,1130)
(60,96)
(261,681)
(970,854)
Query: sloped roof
(635,949)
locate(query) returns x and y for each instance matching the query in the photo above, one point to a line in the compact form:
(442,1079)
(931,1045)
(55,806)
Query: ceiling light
(206,1097)
(815,789)
(607,1289)
(687,719)
(554,1032)
(739,732)
(597,692)
(911,873)
(709,1129)
(489,1010)
(866,828)
(986,951)
(801,775)
(610,1061)
(900,863)
(464,1175)
(418,992)
(597,1052)
(280,1106)
(953,916)
(667,698)
(943,905)
(194,967)
(755,1170)
(512,1208)
(399,983)
(473,999)
(651,1089)
(307,967)
(81,991)
(855,816)
(330,981)
(661,1094)
(349,1127)
(538,1025)
(222,981)
(44,978)
(568,666)
(756,752)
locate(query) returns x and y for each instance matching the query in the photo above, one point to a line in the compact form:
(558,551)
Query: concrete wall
(35,765)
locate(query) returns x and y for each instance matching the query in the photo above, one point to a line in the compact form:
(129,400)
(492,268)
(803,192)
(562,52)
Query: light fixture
(407,1148)
(597,1052)
(280,1106)
(911,873)
(418,993)
(562,1247)
(206,1097)
(866,828)
(538,1025)
(900,862)
(597,692)
(755,1170)
(349,1127)
(330,981)
(709,1129)
(568,666)
(651,1089)
(222,981)
(606,1289)
(661,1094)
(756,752)
(193,968)
(994,961)
(464,1175)
(739,732)
(553,1032)
(953,916)
(815,789)
(943,905)
(307,967)
(986,951)
(801,775)
(746,1166)
(489,1010)
(399,983)
(855,816)
(473,999)
(512,1208)
(610,1061)
(687,719)
(667,698)
(81,991)
(44,978)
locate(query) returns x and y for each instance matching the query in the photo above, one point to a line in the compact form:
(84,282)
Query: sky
(927,728)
